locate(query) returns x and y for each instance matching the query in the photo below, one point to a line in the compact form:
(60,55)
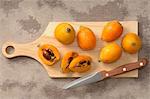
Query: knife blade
(100,75)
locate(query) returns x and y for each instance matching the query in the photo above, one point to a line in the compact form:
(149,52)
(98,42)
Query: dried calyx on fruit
(48,54)
(80,64)
(67,59)
(131,43)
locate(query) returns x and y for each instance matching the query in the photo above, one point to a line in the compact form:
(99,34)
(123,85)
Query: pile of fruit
(86,39)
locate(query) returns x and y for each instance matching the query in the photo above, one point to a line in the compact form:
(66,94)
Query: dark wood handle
(125,68)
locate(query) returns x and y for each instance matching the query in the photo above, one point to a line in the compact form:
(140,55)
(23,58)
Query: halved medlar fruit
(80,64)
(67,59)
(48,54)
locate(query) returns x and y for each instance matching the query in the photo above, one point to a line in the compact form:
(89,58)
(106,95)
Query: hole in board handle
(10,50)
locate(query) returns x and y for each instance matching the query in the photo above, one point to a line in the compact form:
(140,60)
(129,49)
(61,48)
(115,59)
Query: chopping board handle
(11,50)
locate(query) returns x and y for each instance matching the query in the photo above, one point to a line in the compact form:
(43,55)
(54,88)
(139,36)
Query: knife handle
(125,68)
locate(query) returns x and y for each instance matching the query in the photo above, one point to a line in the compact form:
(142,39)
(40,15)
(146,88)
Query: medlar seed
(48,54)
(70,59)
(89,63)
(82,62)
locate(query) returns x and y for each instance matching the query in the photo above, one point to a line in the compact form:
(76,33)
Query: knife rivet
(124,69)
(141,64)
(107,74)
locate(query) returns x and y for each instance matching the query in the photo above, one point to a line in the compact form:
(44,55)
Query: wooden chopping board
(30,49)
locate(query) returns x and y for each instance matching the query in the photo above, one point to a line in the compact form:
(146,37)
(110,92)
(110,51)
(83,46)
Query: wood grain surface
(30,49)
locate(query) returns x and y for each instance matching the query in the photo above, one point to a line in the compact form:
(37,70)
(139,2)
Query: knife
(97,76)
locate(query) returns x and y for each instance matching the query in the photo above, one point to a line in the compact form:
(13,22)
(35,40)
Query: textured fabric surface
(25,21)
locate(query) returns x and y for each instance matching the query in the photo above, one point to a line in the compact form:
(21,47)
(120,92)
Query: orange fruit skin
(76,61)
(86,38)
(131,43)
(110,53)
(64,36)
(112,31)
